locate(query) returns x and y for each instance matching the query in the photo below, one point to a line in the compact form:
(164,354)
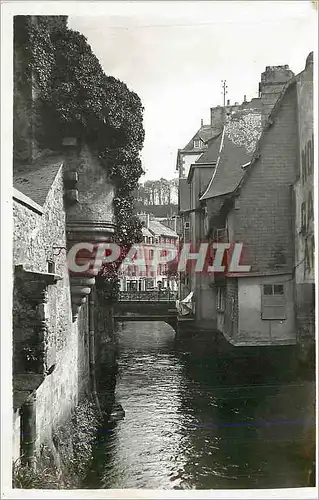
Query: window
(197,144)
(51,266)
(132,286)
(268,289)
(273,304)
(149,284)
(278,289)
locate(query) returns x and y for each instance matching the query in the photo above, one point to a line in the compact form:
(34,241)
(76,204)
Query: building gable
(36,181)
(264,210)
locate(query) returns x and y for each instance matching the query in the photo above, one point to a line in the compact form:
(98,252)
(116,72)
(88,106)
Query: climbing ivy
(76,98)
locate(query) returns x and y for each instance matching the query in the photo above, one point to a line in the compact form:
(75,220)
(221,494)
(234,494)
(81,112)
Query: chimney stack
(217,118)
(245,98)
(145,218)
(273,80)
(228,102)
(201,122)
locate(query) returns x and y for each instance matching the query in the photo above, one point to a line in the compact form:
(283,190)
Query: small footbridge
(147,306)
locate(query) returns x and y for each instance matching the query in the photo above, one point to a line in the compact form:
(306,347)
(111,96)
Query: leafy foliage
(76,98)
(73,443)
(157,192)
(45,475)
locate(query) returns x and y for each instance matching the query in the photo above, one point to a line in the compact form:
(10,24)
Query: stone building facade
(50,308)
(60,197)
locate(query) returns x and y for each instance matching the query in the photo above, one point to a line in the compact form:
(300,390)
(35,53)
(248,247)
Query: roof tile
(241,134)
(160,230)
(35,180)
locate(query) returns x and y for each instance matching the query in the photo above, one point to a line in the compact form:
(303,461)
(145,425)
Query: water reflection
(200,415)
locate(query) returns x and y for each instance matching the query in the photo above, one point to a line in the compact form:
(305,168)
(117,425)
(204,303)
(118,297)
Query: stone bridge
(147,306)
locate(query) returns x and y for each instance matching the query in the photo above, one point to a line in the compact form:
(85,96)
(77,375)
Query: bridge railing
(151,295)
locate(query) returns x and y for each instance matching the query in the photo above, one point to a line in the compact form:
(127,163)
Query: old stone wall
(106,351)
(37,240)
(95,192)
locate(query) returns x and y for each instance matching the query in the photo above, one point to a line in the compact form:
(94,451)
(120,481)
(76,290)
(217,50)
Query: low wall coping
(27,202)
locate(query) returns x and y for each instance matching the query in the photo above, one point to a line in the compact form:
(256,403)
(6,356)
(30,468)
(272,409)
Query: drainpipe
(28,432)
(92,353)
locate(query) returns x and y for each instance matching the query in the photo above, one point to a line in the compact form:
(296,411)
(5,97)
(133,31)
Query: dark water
(200,415)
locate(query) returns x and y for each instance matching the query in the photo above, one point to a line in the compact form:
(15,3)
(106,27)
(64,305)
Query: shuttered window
(273,303)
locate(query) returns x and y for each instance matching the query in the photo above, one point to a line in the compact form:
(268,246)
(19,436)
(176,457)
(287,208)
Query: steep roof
(159,229)
(205,133)
(275,110)
(146,232)
(35,180)
(255,103)
(240,136)
(211,154)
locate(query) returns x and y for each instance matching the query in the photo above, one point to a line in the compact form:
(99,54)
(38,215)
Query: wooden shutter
(273,306)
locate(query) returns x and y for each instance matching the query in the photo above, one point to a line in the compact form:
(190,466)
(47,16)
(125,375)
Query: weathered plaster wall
(252,329)
(304,223)
(206,300)
(230,323)
(187,160)
(304,210)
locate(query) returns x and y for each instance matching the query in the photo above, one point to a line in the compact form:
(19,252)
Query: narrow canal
(199,416)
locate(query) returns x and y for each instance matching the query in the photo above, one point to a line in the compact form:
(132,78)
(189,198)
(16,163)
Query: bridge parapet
(144,306)
(148,296)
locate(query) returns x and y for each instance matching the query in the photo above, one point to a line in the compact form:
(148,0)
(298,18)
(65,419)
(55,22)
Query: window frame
(198,143)
(273,305)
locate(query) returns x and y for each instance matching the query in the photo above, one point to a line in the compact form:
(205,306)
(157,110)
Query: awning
(186,306)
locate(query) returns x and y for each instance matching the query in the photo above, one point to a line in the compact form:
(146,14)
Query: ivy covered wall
(61,90)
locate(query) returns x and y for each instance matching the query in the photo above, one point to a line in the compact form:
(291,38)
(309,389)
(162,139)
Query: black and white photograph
(159,199)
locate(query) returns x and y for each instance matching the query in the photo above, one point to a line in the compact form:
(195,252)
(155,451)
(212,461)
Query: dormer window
(198,144)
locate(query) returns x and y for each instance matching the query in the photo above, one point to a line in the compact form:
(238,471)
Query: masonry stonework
(264,217)
(37,240)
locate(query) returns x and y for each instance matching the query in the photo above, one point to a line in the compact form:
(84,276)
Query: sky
(174,55)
